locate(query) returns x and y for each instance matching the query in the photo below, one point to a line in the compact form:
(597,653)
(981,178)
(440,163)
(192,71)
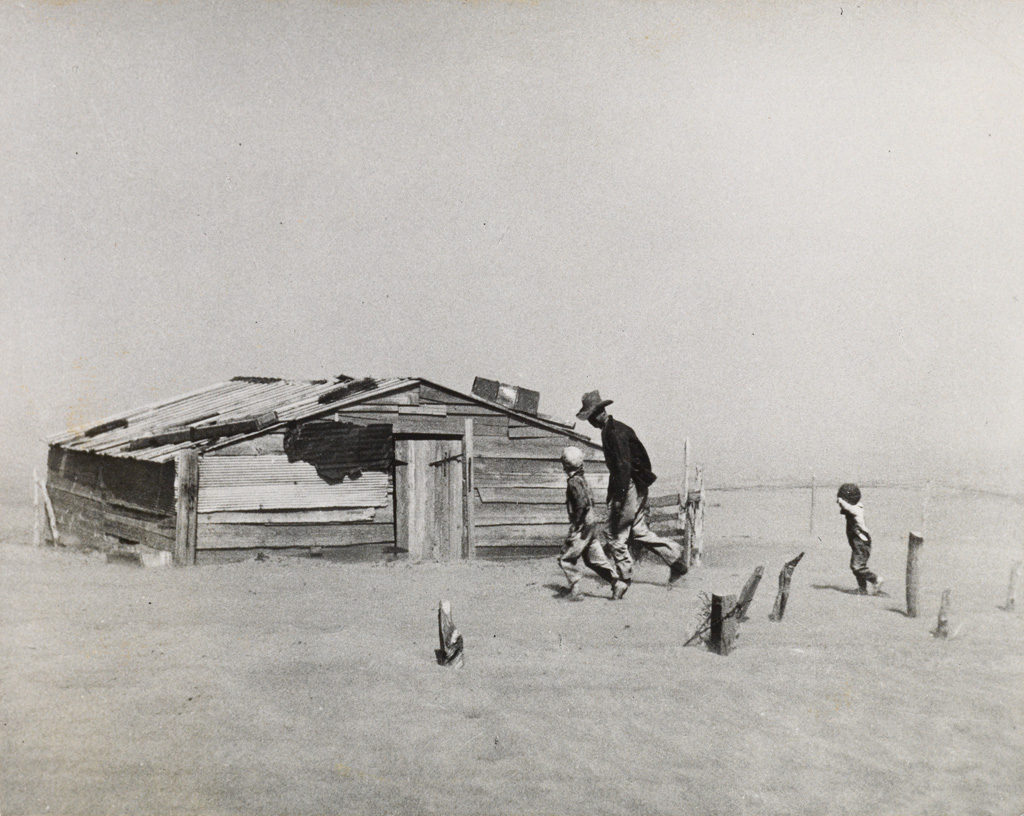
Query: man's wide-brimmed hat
(592,403)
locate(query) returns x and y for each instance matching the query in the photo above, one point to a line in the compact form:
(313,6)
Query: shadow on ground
(844,590)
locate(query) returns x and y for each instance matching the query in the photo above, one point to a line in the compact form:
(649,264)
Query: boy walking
(580,540)
(848,499)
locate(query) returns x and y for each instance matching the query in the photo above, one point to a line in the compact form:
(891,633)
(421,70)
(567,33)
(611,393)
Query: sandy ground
(300,687)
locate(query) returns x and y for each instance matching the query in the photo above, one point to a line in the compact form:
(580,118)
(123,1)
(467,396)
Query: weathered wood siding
(519,484)
(252,498)
(104,502)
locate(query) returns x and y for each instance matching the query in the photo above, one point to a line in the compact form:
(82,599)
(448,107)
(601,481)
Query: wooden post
(450,653)
(723,623)
(747,595)
(185,528)
(942,627)
(925,502)
(51,517)
(785,576)
(686,468)
(914,544)
(469,539)
(1011,594)
(697,549)
(812,504)
(36,532)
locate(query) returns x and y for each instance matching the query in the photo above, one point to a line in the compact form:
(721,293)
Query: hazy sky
(793,232)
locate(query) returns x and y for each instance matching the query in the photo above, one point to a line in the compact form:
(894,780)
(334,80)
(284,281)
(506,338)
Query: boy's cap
(849,492)
(573,457)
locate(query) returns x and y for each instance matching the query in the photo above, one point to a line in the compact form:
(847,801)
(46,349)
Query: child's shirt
(578,498)
(855,529)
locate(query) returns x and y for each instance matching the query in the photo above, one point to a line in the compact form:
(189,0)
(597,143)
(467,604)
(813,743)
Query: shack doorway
(429,508)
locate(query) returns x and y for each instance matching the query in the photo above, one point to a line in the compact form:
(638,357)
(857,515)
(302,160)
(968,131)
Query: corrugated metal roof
(269,402)
(274,401)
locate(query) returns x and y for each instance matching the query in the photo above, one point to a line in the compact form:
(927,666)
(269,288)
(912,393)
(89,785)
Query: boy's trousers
(632,523)
(859,562)
(581,542)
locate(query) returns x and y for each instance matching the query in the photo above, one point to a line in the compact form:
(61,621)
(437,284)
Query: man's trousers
(631,522)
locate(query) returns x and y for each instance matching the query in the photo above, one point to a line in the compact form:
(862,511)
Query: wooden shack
(351,469)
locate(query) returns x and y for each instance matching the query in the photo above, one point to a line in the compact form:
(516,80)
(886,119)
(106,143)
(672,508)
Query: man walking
(629,477)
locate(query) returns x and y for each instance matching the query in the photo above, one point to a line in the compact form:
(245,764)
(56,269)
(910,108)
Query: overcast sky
(792,232)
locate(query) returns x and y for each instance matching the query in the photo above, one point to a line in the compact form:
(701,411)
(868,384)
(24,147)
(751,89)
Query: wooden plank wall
(104,502)
(518,497)
(252,499)
(519,484)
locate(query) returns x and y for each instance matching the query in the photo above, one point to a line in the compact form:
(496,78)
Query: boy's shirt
(854,514)
(578,498)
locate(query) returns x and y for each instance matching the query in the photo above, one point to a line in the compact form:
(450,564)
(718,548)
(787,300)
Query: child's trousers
(582,543)
(859,562)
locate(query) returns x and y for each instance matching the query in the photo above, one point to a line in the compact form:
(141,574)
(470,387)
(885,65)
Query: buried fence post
(723,623)
(1014,589)
(450,653)
(942,626)
(747,595)
(726,616)
(186,525)
(693,523)
(783,595)
(813,486)
(914,544)
(51,517)
(36,534)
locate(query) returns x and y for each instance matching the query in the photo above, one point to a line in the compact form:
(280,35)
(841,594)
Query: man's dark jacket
(626,458)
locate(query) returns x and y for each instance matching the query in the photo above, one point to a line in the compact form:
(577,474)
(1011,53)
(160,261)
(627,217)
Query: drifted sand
(300,687)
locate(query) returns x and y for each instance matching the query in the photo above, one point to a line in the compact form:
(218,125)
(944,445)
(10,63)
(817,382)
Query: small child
(580,540)
(848,499)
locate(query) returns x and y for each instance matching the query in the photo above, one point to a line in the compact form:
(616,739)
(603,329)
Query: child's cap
(573,457)
(849,492)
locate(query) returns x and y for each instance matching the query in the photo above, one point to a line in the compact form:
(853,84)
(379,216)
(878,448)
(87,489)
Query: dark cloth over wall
(340,449)
(626,458)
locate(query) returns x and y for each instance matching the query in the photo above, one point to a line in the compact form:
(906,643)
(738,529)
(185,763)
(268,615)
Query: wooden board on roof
(368,408)
(269,444)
